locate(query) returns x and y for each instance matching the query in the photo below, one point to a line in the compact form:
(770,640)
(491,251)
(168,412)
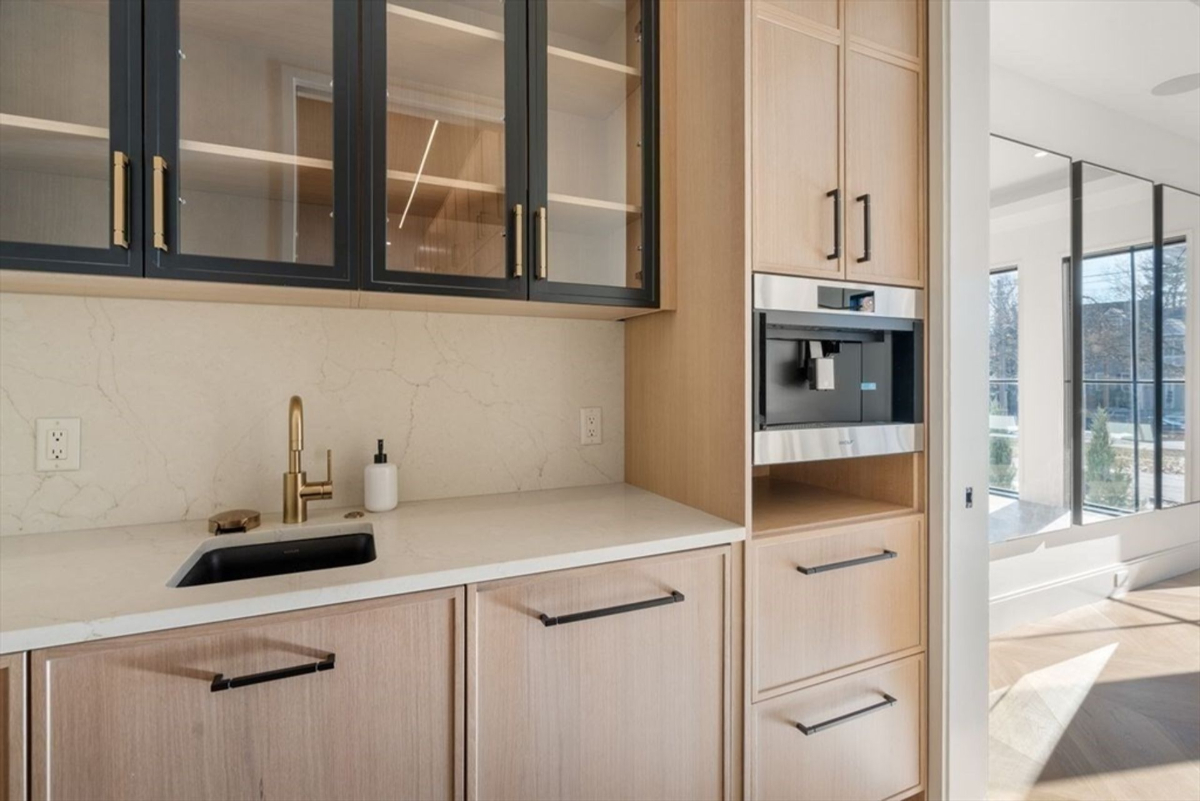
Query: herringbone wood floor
(1102,702)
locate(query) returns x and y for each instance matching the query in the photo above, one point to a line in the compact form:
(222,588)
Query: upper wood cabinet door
(884,167)
(144,718)
(12,727)
(631,703)
(70,136)
(250,127)
(893,25)
(823,12)
(797,200)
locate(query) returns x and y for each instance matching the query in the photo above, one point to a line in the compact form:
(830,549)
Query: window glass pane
(1003,440)
(1175,306)
(1143,267)
(1002,322)
(1176,465)
(1145,446)
(1107,317)
(1108,446)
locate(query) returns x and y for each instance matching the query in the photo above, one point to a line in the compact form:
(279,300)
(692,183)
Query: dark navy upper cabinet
(490,148)
(250,141)
(70,136)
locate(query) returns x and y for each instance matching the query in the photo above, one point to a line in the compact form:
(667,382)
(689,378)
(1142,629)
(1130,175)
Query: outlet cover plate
(591,430)
(57,434)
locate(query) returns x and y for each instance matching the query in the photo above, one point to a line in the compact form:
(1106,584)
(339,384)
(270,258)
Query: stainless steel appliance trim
(790,293)
(782,446)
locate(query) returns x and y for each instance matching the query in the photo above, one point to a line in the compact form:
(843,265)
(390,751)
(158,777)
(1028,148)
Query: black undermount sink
(239,562)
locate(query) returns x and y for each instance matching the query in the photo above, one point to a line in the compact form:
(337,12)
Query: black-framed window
(1003,383)
(1118,376)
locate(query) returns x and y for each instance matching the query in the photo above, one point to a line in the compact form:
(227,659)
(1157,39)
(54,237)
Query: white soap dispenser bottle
(381,487)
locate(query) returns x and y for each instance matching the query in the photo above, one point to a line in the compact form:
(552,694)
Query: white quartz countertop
(77,586)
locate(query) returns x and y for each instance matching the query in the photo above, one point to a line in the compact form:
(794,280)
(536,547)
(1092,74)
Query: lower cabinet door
(12,727)
(602,683)
(361,701)
(856,738)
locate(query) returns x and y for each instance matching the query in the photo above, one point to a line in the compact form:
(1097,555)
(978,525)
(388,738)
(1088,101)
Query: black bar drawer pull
(220,682)
(817,728)
(862,560)
(836,194)
(866,201)
(675,597)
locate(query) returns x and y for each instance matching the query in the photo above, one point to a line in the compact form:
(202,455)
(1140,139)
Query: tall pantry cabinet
(837,110)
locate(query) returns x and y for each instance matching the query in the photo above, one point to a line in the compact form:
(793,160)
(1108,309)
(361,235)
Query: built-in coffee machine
(838,369)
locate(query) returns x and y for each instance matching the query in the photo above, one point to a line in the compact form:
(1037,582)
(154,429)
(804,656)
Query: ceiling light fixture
(1177,85)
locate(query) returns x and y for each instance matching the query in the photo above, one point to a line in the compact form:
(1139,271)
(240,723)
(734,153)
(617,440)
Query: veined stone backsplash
(184,405)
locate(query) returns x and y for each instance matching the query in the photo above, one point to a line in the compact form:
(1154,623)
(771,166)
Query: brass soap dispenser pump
(297,492)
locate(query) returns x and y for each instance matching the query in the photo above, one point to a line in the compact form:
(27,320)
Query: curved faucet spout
(295,424)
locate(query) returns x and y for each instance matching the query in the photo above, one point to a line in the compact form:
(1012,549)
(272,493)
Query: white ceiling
(1112,52)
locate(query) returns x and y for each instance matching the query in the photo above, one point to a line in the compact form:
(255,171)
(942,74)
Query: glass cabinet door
(593,178)
(447,145)
(249,140)
(69,129)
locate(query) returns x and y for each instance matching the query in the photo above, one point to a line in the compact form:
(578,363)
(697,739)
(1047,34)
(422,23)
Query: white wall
(958,398)
(1042,115)
(184,405)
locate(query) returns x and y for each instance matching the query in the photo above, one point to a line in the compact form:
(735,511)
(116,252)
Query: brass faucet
(297,492)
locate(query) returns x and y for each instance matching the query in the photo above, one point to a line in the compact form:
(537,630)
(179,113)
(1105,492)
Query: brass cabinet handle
(160,209)
(518,240)
(541,261)
(120,200)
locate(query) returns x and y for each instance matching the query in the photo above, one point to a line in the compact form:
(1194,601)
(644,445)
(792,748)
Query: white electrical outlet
(590,431)
(57,444)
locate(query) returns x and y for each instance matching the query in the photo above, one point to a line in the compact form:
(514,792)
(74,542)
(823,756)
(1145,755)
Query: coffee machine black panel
(794,397)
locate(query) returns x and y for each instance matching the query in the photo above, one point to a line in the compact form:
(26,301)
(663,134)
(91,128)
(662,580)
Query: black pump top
(381,457)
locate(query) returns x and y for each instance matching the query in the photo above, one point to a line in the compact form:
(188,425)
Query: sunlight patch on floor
(1028,719)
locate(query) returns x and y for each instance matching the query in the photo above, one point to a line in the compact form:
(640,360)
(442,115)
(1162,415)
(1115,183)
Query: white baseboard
(1035,603)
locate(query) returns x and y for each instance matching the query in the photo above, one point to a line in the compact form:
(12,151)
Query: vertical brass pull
(120,203)
(518,240)
(541,259)
(160,206)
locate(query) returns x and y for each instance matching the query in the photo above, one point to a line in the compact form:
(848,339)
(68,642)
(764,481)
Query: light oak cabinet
(12,727)
(835,598)
(838,139)
(858,737)
(609,682)
(362,701)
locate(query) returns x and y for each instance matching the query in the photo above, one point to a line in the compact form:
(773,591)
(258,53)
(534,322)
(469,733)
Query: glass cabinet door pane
(446,206)
(55,163)
(594,142)
(255,172)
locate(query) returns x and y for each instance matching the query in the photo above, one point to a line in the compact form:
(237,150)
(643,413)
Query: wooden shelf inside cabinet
(32,144)
(588,215)
(782,506)
(432,51)
(228,170)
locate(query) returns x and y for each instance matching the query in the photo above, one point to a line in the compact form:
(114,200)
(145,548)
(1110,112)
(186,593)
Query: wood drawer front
(137,718)
(806,625)
(626,706)
(873,756)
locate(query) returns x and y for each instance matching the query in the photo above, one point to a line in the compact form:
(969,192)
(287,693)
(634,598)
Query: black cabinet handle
(674,598)
(817,728)
(862,560)
(220,682)
(836,194)
(866,201)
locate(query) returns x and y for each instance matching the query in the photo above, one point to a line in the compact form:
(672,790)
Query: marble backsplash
(183,405)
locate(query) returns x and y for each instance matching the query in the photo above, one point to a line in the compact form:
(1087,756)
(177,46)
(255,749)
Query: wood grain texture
(796,147)
(687,372)
(1102,701)
(891,25)
(628,706)
(875,756)
(884,139)
(13,743)
(135,718)
(782,506)
(893,479)
(806,625)
(822,12)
